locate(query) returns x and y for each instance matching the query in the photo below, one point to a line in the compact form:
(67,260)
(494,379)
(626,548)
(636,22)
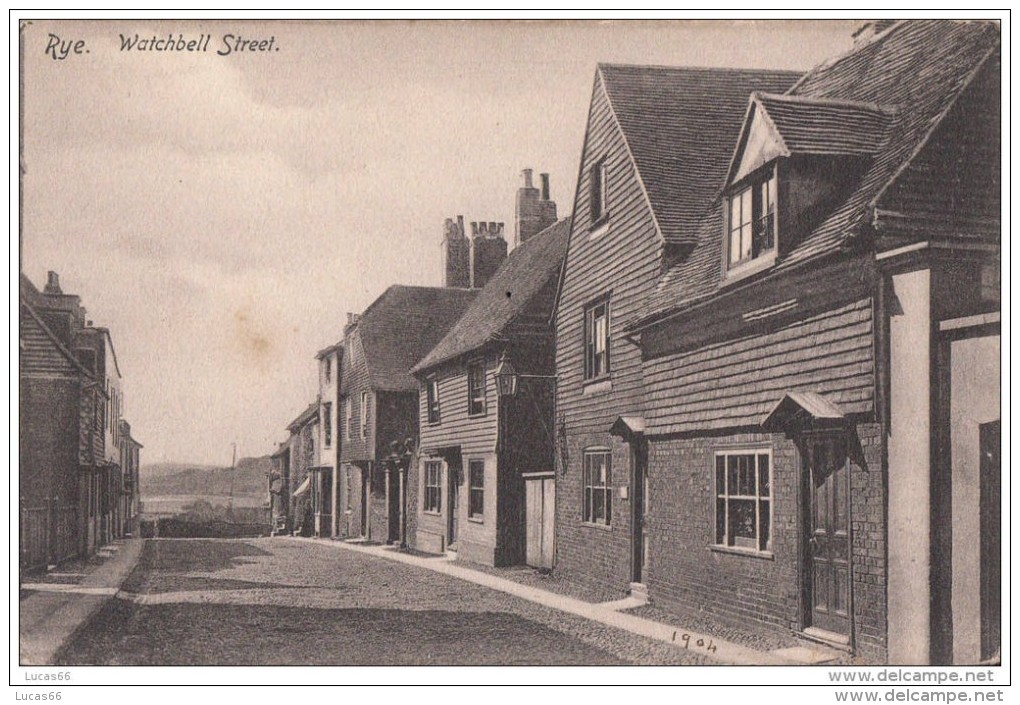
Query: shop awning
(303,487)
(802,409)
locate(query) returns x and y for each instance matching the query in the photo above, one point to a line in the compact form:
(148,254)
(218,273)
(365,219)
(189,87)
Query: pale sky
(221,214)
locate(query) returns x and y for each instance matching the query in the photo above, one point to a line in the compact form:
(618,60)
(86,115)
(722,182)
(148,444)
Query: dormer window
(751,225)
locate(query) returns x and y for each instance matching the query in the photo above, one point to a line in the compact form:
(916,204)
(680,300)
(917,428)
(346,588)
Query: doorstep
(831,639)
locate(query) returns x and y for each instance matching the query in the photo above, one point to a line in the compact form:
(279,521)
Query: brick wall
(685,573)
(870,552)
(589,553)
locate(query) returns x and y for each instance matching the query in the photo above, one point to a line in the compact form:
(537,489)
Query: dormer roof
(911,76)
(784,125)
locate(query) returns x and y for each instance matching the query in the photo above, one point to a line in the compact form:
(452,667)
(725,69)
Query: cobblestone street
(273,601)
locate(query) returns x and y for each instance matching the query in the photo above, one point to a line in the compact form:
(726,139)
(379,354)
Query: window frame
(432,408)
(752,187)
(348,417)
(476,366)
(726,541)
(364,415)
(328,370)
(473,487)
(589,510)
(598,187)
(590,343)
(327,422)
(432,490)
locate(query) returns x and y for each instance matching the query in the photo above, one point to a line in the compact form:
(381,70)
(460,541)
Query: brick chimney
(535,212)
(352,320)
(456,254)
(52,284)
(488,250)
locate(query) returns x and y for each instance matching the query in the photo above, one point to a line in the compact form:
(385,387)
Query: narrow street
(286,602)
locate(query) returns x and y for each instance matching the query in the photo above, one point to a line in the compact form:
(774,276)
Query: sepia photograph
(510,342)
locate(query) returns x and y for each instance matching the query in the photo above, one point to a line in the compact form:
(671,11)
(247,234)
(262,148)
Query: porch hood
(802,409)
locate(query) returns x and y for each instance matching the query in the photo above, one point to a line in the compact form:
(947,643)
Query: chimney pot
(545,186)
(474,229)
(527,178)
(492,228)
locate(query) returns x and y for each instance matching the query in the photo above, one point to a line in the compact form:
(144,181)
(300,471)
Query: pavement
(58,604)
(608,613)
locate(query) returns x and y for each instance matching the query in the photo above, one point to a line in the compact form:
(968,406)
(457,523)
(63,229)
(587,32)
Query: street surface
(282,601)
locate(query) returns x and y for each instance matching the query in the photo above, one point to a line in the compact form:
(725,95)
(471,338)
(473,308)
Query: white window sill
(599,229)
(749,552)
(749,268)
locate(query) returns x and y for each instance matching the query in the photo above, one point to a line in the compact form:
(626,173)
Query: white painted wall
(974,400)
(910,469)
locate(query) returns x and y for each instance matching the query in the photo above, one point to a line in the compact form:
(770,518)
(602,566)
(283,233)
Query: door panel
(533,517)
(991,532)
(453,479)
(640,504)
(828,551)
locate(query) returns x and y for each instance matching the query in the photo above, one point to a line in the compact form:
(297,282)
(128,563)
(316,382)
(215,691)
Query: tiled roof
(310,413)
(523,274)
(680,125)
(826,126)
(916,69)
(403,325)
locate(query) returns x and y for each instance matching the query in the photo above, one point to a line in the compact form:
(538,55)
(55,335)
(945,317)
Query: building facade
(330,364)
(379,402)
(820,367)
(481,452)
(631,218)
(71,446)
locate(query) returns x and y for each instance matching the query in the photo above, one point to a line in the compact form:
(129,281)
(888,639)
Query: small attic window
(751,232)
(597,193)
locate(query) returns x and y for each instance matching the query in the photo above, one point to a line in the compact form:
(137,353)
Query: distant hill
(168,479)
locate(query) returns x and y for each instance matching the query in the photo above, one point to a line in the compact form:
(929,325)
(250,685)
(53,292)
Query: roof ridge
(857,46)
(712,69)
(889,110)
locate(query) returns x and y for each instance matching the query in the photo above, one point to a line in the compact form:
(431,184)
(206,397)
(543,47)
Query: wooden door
(394,505)
(991,533)
(540,513)
(828,535)
(366,495)
(639,542)
(453,506)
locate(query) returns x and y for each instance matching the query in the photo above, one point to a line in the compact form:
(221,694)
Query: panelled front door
(540,515)
(640,505)
(991,533)
(453,480)
(828,537)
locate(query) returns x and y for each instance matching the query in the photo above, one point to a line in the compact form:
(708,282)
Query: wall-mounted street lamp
(507,377)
